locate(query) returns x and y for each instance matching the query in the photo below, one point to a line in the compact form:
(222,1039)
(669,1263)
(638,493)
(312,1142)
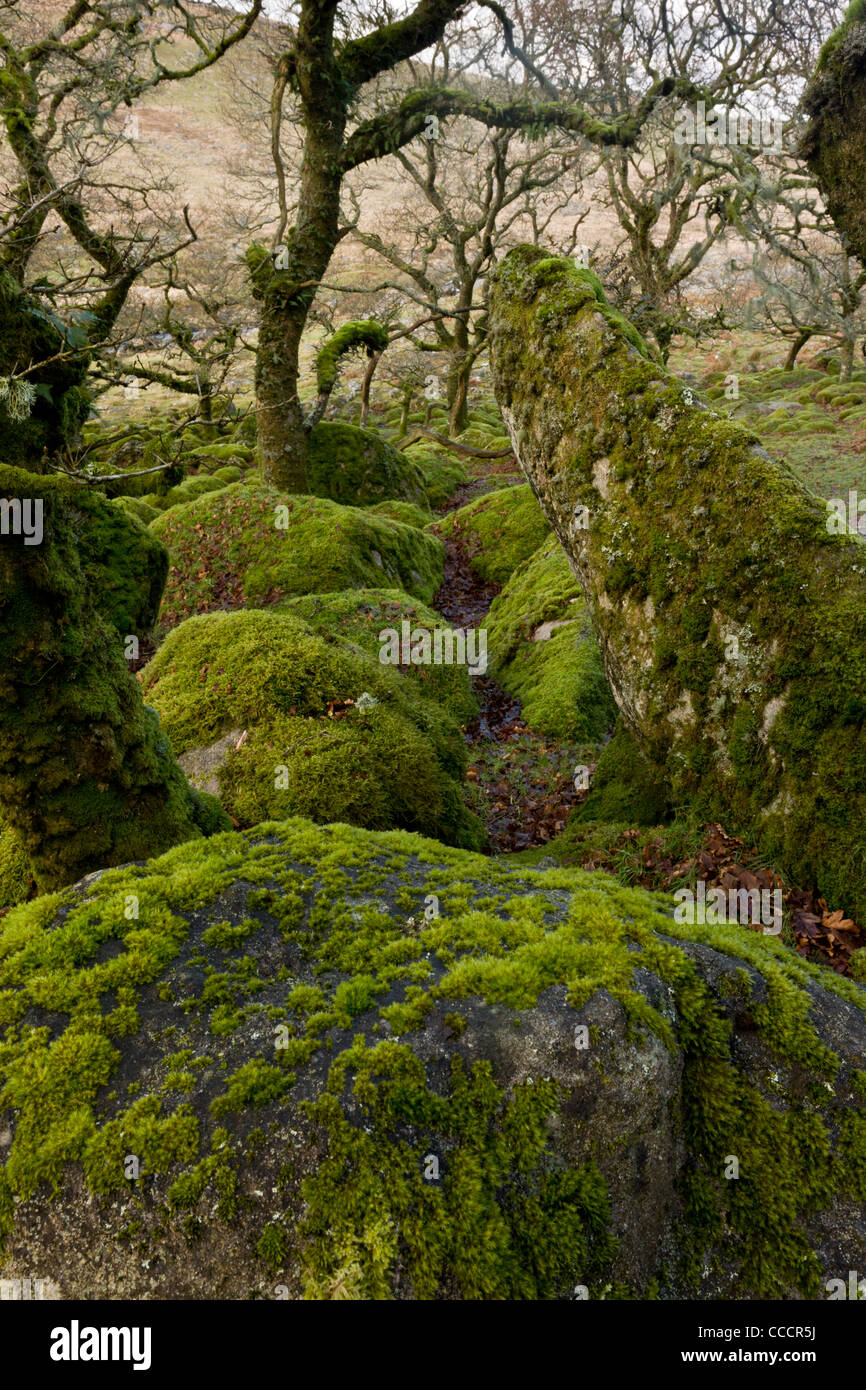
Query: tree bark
(87,777)
(796,348)
(834,143)
(286,289)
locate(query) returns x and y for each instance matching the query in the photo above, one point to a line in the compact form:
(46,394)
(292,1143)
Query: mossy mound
(361,615)
(544,652)
(140,509)
(442,471)
(119,554)
(364,1066)
(359,467)
(249,545)
(731,617)
(499,530)
(313,745)
(406,512)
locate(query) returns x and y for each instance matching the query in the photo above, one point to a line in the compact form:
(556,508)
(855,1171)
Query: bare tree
(323,71)
(692,177)
(76,232)
(471,192)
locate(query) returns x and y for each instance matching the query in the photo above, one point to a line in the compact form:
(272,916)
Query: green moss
(500,1213)
(562,686)
(500,530)
(247,545)
(360,333)
(855,14)
(560,678)
(309,751)
(496,1223)
(51,420)
(358,467)
(405,512)
(835,102)
(442,472)
(16,876)
(87,777)
(625,788)
(360,615)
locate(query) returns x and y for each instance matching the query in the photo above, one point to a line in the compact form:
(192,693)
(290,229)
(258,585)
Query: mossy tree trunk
(729,602)
(834,143)
(326,76)
(87,778)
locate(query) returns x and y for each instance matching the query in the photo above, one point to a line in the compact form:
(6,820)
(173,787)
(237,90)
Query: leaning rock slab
(327,1063)
(732,623)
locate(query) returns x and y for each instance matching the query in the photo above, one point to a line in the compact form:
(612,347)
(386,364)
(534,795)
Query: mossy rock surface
(370,618)
(626,788)
(406,512)
(732,619)
(309,745)
(248,545)
(138,507)
(499,530)
(443,472)
(357,1066)
(359,467)
(543,649)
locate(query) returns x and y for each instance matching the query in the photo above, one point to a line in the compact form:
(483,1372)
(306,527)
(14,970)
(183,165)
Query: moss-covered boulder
(731,618)
(325,1063)
(370,618)
(834,142)
(319,726)
(407,512)
(543,650)
(87,777)
(249,545)
(500,530)
(443,472)
(359,467)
